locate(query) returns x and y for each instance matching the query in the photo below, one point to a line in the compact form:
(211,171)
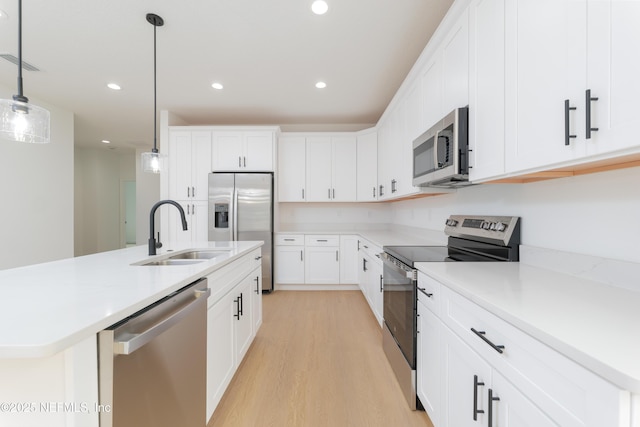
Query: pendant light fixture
(154,161)
(19,120)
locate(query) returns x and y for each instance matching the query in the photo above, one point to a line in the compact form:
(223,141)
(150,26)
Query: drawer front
(322,240)
(429,293)
(370,249)
(571,395)
(290,240)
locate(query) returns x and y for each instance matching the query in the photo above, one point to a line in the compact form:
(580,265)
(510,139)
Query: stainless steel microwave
(441,154)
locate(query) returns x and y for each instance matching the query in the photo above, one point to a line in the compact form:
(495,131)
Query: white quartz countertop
(46,308)
(594,324)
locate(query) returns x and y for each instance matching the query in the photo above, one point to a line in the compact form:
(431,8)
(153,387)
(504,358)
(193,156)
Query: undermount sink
(200,255)
(171,261)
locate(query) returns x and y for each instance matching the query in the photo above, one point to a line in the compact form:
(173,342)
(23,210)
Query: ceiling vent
(14,60)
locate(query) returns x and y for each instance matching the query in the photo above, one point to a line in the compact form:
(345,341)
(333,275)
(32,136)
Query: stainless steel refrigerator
(241,208)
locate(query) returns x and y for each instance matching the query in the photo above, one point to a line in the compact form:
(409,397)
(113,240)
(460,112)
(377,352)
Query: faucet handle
(158,242)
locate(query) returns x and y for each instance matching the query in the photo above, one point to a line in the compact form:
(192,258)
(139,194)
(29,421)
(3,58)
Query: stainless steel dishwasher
(152,365)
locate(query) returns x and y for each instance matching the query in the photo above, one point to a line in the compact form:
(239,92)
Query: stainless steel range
(471,239)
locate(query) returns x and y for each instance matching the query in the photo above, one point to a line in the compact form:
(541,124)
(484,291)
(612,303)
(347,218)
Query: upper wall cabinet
(189,164)
(367,166)
(572,85)
(613,32)
(331,171)
(291,168)
(486,88)
(243,151)
(455,66)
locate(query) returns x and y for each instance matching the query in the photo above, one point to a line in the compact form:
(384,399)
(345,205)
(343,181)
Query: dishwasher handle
(135,340)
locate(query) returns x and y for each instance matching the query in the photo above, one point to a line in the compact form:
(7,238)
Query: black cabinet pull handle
(476,411)
(567,131)
(588,100)
(364,264)
(381,283)
(237,315)
(424,291)
(498,348)
(257,279)
(241,310)
(492,399)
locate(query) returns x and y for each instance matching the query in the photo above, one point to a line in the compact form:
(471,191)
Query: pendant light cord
(155,114)
(20,96)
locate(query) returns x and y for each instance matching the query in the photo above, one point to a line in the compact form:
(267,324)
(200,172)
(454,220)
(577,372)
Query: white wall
(98,177)
(36,186)
(596,214)
(332,216)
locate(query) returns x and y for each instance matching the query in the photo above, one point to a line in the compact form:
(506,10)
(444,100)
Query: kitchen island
(52,312)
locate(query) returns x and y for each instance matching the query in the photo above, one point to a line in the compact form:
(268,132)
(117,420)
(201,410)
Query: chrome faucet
(152,241)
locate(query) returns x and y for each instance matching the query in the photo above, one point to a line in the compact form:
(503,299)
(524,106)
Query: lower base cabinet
(462,380)
(370,276)
(233,318)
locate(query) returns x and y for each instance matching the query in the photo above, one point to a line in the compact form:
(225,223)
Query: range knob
(452,222)
(500,226)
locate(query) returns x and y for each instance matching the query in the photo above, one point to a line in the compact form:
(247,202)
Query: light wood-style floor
(317,361)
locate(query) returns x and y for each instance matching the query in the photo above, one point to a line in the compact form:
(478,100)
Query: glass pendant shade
(153,161)
(23,122)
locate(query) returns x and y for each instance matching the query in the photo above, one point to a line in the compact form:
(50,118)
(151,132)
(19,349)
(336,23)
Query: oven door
(400,304)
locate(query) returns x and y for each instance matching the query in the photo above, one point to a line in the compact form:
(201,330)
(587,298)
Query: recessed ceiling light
(106,141)
(321,85)
(114,86)
(319,7)
(217,85)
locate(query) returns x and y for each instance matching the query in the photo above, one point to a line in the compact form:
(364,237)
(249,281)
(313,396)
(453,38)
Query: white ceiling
(268,54)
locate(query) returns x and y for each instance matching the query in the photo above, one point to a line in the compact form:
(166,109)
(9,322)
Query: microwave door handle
(436,166)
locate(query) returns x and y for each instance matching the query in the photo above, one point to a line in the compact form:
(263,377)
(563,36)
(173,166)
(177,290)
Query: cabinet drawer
(370,249)
(567,392)
(290,240)
(429,293)
(322,240)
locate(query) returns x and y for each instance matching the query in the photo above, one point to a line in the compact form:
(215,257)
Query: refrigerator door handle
(234,225)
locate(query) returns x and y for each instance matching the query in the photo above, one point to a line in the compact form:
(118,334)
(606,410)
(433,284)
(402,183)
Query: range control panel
(495,229)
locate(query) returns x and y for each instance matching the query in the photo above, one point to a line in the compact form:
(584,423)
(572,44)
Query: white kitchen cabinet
(486,89)
(322,259)
(367,166)
(231,322)
(348,259)
(562,390)
(331,168)
(370,276)
(243,328)
(455,66)
(429,353)
(220,349)
(319,169)
(243,151)
(289,259)
(291,168)
(513,409)
(196,214)
(612,74)
(256,299)
(546,56)
(466,379)
(431,81)
(189,164)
